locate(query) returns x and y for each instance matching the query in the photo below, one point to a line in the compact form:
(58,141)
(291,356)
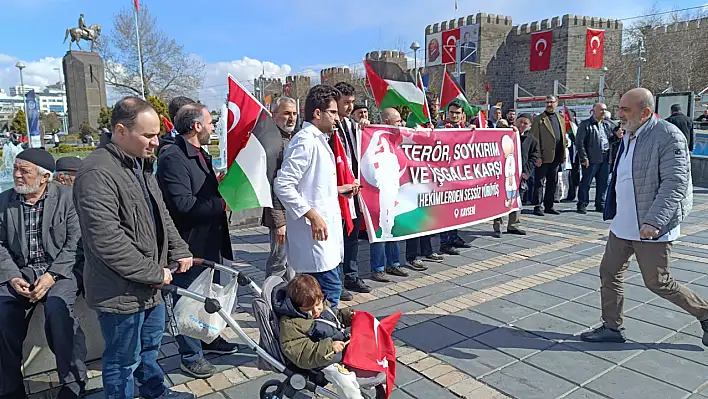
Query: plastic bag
(191,318)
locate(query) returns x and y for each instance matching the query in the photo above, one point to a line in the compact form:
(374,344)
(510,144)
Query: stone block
(85,87)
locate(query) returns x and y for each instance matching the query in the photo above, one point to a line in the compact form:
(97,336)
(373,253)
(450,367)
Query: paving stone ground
(501,320)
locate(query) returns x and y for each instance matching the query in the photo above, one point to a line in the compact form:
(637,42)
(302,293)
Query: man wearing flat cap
(66,170)
(39,232)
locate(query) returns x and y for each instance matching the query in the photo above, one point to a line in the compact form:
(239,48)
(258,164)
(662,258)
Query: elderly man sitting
(39,231)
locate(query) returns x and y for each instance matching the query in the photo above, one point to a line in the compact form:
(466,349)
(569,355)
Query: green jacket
(295,336)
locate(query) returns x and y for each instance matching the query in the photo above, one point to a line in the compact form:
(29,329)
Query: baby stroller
(268,351)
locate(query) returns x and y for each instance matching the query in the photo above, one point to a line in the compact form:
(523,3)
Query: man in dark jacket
(191,191)
(129,241)
(529,155)
(39,232)
(285,117)
(175,105)
(594,141)
(549,130)
(684,123)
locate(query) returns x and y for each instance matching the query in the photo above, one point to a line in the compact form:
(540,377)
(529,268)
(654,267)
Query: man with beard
(190,188)
(306,185)
(39,234)
(348,132)
(285,117)
(550,133)
(361,112)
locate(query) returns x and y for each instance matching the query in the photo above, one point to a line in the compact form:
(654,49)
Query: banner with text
(420,182)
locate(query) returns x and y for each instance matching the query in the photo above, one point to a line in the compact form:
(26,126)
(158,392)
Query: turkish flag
(450,39)
(541,51)
(594,48)
(243,113)
(168,125)
(344,176)
(371,347)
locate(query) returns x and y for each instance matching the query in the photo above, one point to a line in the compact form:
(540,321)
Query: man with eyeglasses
(450,241)
(191,192)
(306,185)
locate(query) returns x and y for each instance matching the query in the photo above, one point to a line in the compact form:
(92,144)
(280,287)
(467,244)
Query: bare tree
(167,70)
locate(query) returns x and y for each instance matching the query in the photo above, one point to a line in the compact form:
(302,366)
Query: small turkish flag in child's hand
(371,347)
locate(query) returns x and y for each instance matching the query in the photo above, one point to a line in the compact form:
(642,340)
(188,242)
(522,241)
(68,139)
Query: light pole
(20,65)
(415,46)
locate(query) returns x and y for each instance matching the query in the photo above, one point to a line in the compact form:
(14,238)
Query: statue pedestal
(85,87)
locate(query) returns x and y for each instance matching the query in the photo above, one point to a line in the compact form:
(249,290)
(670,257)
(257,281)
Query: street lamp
(415,47)
(20,65)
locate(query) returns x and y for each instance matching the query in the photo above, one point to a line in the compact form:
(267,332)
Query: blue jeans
(600,172)
(448,237)
(330,284)
(132,347)
(384,254)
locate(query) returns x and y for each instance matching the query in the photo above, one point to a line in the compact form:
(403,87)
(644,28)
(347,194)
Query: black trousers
(64,336)
(349,267)
(419,246)
(574,181)
(545,184)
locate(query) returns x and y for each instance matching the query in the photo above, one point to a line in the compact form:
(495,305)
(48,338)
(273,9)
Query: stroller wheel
(271,390)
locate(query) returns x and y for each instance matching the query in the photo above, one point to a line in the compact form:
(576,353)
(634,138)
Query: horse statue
(91,34)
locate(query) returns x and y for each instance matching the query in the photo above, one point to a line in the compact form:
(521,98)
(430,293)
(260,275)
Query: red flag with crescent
(541,51)
(594,48)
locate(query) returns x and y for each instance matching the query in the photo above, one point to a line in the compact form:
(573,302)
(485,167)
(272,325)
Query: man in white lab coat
(306,185)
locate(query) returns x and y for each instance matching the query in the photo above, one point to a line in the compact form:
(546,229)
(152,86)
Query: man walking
(651,193)
(129,241)
(348,132)
(306,185)
(548,129)
(285,117)
(191,192)
(684,123)
(593,144)
(39,234)
(529,155)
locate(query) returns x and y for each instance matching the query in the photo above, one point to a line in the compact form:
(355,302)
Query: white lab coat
(308,180)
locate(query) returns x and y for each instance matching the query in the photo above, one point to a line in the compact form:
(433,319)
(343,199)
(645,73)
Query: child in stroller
(312,335)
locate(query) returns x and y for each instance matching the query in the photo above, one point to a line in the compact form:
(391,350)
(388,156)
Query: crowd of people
(118,225)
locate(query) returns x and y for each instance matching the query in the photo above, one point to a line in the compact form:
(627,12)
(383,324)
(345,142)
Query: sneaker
(170,394)
(460,243)
(198,369)
(346,296)
(220,346)
(497,234)
(357,285)
(538,211)
(417,265)
(581,210)
(434,257)
(704,326)
(552,211)
(380,277)
(448,249)
(518,232)
(604,334)
(396,271)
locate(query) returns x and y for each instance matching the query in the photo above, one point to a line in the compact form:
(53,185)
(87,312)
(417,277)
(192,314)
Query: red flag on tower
(541,50)
(137,6)
(594,48)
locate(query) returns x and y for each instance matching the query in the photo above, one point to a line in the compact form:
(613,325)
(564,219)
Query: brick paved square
(671,369)
(428,336)
(521,380)
(474,358)
(502,310)
(673,319)
(468,323)
(570,363)
(425,389)
(562,290)
(584,394)
(515,342)
(530,269)
(622,383)
(549,326)
(442,296)
(577,313)
(534,299)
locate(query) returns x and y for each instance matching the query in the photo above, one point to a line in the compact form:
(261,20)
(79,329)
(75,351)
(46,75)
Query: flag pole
(140,53)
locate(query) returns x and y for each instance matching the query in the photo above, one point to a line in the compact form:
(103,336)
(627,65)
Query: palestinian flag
(252,144)
(451,91)
(392,87)
(413,120)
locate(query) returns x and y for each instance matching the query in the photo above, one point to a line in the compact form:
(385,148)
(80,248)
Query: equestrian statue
(91,33)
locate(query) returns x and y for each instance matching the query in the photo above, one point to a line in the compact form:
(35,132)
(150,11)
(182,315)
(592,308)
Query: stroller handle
(241,278)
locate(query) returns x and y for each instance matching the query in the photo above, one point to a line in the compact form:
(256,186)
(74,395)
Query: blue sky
(238,36)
